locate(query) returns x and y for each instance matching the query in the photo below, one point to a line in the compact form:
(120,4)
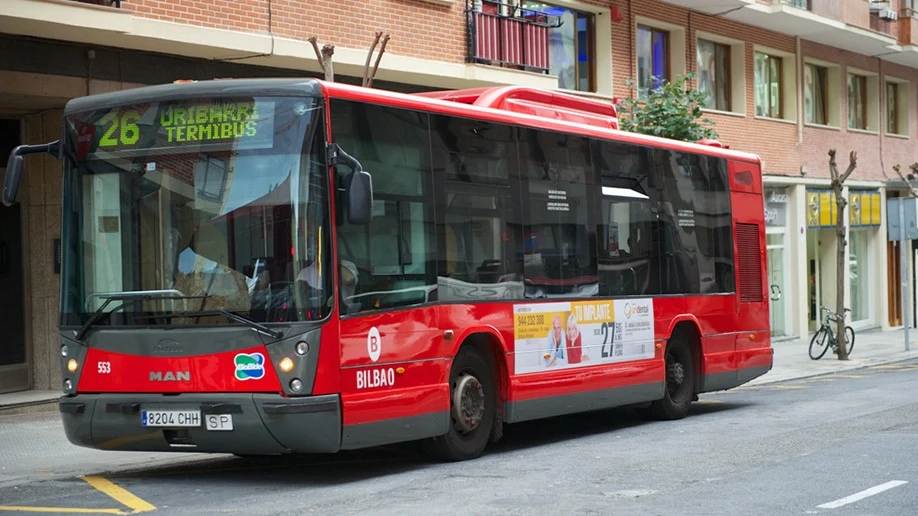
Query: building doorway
(14,356)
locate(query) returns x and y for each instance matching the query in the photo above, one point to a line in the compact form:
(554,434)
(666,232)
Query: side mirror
(360,197)
(11,183)
(14,167)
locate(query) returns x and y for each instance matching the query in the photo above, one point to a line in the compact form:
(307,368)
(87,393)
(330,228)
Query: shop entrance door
(14,358)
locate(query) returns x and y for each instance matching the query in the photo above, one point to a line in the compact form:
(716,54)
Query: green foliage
(671,110)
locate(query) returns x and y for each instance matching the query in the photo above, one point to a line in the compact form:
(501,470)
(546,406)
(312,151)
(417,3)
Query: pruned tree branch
(913,167)
(315,47)
(382,49)
(852,164)
(325,58)
(366,66)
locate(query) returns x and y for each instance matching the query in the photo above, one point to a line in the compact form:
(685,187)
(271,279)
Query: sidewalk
(871,347)
(791,361)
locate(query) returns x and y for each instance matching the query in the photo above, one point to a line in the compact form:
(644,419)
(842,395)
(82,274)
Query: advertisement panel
(581,333)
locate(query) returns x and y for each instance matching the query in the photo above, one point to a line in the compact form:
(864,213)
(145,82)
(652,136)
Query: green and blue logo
(250,366)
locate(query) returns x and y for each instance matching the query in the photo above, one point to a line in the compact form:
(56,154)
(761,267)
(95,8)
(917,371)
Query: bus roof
(526,106)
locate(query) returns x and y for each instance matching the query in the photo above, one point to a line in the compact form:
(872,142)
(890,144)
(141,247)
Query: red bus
(272,266)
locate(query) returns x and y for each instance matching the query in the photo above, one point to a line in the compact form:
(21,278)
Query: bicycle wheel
(819,344)
(849,339)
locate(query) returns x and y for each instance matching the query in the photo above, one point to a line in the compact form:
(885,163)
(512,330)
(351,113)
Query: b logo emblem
(374,344)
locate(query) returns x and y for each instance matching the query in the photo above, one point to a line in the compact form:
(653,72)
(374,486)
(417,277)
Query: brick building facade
(792,79)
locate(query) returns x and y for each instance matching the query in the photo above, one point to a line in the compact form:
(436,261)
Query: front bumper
(262,423)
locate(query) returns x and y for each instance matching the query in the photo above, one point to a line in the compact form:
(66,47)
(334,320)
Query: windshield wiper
(136,295)
(260,328)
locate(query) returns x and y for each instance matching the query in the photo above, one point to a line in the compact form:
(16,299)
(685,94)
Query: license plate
(219,422)
(172,418)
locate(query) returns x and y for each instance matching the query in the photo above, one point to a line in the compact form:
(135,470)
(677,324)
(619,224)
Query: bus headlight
(286,364)
(68,385)
(302,347)
(64,350)
(72,365)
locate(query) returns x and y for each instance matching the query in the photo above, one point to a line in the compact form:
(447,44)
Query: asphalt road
(843,444)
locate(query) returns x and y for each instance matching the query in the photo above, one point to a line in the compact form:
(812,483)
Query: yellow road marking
(120,494)
(709,401)
(23,508)
(117,493)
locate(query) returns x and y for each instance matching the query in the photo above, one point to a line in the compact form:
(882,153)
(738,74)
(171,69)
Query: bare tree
(368,76)
(328,50)
(325,58)
(838,184)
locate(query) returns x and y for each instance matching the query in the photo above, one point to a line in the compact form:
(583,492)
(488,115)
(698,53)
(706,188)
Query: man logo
(169,376)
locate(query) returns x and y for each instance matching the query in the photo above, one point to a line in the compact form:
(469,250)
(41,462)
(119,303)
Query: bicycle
(825,335)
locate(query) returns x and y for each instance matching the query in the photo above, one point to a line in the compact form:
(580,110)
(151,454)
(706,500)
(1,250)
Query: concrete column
(797,283)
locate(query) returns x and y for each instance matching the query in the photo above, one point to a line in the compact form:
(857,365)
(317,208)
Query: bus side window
(391,253)
(626,260)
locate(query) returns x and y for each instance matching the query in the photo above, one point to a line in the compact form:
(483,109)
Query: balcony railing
(799,4)
(104,3)
(510,36)
(908,26)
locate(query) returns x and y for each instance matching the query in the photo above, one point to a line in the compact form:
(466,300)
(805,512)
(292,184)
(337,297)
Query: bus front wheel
(473,400)
(680,382)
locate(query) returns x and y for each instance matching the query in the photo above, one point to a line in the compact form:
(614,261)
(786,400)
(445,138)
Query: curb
(31,407)
(841,369)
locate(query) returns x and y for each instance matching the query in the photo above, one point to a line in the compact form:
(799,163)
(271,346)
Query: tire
(819,344)
(473,403)
(849,337)
(680,382)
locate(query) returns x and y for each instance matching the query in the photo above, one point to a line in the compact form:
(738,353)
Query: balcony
(845,24)
(908,27)
(510,36)
(103,3)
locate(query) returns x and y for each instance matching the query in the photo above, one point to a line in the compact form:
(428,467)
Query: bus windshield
(210,206)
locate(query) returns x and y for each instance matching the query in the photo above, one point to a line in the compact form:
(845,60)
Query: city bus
(272,266)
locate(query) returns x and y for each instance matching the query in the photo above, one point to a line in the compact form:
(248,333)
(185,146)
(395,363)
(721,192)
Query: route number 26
(124,124)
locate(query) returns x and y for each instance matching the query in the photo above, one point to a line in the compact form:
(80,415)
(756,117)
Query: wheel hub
(468,403)
(675,373)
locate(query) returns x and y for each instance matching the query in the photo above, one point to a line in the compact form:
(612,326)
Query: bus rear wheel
(680,382)
(473,400)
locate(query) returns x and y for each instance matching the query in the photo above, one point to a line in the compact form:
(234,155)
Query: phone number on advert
(531,320)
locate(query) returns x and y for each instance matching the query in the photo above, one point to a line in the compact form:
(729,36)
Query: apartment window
(816,94)
(892,108)
(857,101)
(768,91)
(652,57)
(714,74)
(570,46)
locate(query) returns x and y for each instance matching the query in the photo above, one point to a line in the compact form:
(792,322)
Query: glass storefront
(776,201)
(859,273)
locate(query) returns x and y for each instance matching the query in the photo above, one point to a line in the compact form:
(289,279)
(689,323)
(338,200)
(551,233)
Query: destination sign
(226,124)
